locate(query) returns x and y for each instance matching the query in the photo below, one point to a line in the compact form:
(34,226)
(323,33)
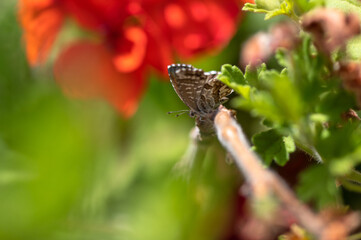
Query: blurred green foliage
(323,192)
(73,169)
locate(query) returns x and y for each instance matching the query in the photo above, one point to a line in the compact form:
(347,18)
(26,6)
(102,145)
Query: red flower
(133,36)
(194,26)
(41,20)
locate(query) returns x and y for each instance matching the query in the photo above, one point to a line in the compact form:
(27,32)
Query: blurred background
(90,168)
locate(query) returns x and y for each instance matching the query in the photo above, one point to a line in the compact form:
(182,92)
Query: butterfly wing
(188,83)
(214,92)
(220,91)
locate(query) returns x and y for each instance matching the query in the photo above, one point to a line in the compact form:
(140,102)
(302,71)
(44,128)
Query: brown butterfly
(201,91)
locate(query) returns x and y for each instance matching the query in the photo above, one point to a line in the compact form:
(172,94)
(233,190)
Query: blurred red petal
(86,70)
(223,21)
(247,1)
(126,91)
(98,15)
(133,57)
(78,70)
(175,15)
(159,52)
(195,26)
(41,20)
(37,4)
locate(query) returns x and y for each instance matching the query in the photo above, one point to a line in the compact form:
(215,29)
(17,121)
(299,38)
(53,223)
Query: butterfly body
(201,91)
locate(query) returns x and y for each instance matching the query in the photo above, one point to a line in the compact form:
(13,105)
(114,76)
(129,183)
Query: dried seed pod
(284,35)
(330,28)
(350,73)
(261,46)
(350,114)
(256,50)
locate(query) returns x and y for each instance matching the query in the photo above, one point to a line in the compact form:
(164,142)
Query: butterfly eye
(192,114)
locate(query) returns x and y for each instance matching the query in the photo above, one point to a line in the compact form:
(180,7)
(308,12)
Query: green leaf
(307,5)
(231,74)
(318,186)
(272,145)
(252,75)
(265,93)
(281,57)
(262,6)
(345,165)
(267,123)
(334,103)
(268,4)
(342,143)
(272,8)
(234,78)
(353,48)
(308,71)
(319,118)
(284,93)
(260,103)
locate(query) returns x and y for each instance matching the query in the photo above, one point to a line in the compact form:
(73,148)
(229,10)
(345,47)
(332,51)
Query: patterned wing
(213,93)
(188,83)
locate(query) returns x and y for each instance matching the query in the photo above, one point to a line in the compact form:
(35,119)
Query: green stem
(352,181)
(309,150)
(350,185)
(354,176)
(294,17)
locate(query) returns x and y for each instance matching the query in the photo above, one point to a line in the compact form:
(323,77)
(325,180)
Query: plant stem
(354,176)
(310,150)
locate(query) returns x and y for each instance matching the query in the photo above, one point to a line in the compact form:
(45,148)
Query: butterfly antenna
(180,112)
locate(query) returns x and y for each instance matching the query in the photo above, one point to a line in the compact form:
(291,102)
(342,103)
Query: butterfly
(201,91)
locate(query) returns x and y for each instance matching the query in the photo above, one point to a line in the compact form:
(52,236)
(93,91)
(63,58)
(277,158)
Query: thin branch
(355,177)
(350,185)
(263,182)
